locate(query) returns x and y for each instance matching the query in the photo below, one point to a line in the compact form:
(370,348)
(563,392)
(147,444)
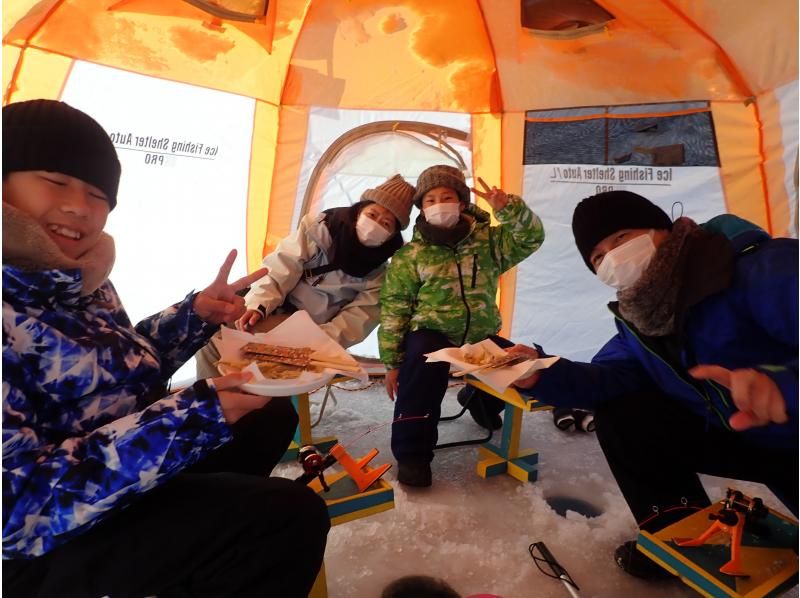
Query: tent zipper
(463,295)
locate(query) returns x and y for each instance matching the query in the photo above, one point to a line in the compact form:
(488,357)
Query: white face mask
(370,233)
(445,215)
(623,265)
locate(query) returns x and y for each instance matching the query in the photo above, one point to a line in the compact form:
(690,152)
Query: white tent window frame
(411,129)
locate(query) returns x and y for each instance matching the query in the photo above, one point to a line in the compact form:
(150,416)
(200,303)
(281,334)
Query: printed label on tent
(157,149)
(605,177)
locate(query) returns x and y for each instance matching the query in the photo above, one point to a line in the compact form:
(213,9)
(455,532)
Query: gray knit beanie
(441,175)
(395,195)
(53,136)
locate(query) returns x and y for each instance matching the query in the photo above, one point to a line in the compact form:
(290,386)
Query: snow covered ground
(474,533)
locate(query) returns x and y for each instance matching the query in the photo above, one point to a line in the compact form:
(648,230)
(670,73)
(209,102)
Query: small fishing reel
(753,508)
(313,463)
(310,458)
(735,503)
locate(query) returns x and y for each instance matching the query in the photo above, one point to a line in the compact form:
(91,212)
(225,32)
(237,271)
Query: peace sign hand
(218,303)
(496,198)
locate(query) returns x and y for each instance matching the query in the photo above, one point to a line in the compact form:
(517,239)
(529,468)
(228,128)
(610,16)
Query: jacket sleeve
(518,235)
(398,297)
(611,373)
(772,300)
(177,333)
(285,266)
(357,319)
(53,491)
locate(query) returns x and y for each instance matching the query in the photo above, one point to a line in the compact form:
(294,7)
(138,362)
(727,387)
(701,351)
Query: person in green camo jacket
(440,291)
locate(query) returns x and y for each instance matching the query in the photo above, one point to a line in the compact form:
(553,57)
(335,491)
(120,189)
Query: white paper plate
(283,387)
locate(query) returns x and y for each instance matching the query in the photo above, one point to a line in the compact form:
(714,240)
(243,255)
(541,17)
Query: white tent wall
(185,155)
(787,147)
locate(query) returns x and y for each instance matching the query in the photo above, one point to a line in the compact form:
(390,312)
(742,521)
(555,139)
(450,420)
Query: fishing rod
(557,571)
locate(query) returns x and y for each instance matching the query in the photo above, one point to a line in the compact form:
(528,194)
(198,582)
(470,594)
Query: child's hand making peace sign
(497,198)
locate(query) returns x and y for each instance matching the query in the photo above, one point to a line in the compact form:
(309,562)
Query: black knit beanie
(53,136)
(600,215)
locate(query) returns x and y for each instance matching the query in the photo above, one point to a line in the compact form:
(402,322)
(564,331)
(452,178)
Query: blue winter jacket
(750,324)
(86,423)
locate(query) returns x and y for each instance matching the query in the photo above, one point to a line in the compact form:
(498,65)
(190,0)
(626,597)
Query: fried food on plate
(269,369)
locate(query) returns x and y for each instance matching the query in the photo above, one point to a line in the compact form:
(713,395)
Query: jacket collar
(27,249)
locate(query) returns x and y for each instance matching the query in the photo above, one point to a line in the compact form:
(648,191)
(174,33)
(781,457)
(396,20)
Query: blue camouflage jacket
(86,423)
(751,324)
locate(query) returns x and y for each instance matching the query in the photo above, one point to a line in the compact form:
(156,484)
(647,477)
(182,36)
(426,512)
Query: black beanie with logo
(55,137)
(601,215)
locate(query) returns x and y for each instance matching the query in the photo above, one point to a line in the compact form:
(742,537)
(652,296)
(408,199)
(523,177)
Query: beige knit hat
(441,175)
(395,195)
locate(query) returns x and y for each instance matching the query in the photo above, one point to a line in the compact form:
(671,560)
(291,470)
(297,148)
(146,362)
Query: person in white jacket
(332,267)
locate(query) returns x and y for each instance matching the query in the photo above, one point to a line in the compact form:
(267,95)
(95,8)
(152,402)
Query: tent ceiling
(561,15)
(466,56)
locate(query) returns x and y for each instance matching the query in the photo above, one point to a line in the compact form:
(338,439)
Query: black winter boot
(637,564)
(414,473)
(470,397)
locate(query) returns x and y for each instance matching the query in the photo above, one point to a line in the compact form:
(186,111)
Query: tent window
(565,18)
(235,10)
(642,135)
(382,148)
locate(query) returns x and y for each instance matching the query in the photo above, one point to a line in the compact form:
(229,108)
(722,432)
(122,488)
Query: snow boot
(567,419)
(563,418)
(584,419)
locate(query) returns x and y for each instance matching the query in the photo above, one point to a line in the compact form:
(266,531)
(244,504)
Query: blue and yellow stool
(507,457)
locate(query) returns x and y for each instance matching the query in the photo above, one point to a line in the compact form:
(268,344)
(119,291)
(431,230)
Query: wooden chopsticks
(297,356)
(326,361)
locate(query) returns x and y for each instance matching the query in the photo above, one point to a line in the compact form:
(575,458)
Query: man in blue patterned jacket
(111,485)
(701,376)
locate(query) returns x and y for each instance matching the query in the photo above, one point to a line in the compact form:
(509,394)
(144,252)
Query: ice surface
(474,533)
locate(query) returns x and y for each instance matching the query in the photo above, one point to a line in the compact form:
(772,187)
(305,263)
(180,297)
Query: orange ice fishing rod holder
(736,511)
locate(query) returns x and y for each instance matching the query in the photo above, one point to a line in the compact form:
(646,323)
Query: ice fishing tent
(233,118)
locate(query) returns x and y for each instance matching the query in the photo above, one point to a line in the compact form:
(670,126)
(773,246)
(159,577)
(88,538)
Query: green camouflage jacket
(454,290)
